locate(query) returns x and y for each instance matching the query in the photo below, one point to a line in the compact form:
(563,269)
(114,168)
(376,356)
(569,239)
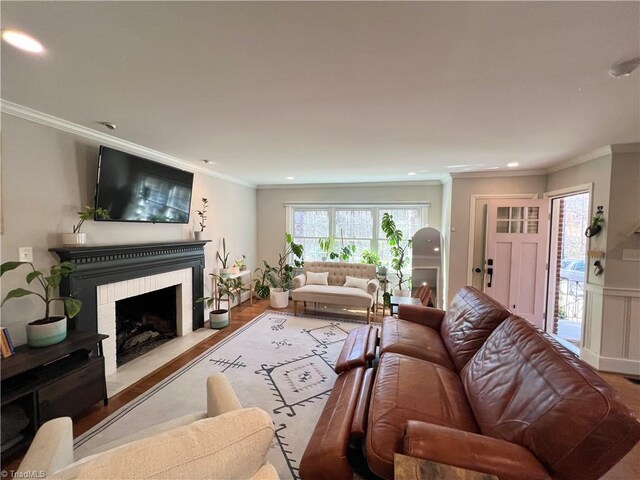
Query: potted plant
(48,330)
(372,258)
(327,245)
(203,219)
(225,266)
(280,276)
(226,287)
(261,282)
(239,264)
(400,251)
(77,238)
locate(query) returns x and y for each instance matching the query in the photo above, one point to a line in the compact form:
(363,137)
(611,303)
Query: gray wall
(48,175)
(271,208)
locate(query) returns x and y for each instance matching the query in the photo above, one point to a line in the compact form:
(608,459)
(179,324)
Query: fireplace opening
(145,322)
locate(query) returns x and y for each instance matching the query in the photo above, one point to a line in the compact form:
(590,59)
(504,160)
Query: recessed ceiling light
(457,166)
(624,69)
(109,125)
(22,41)
(436,249)
(512,164)
(411,173)
(493,168)
(291,178)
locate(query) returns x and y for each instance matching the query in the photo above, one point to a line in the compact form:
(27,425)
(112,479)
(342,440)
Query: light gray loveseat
(334,292)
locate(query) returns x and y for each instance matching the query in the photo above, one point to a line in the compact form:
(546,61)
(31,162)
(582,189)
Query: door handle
(490,271)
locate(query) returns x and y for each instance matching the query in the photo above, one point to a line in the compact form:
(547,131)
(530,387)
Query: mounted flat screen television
(134,189)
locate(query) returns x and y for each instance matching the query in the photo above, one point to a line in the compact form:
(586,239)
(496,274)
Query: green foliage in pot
(371,258)
(203,214)
(224,258)
(86,213)
(328,245)
(240,263)
(280,275)
(227,287)
(49,284)
(261,282)
(399,248)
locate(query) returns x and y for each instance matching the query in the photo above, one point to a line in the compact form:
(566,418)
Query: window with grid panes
(359,226)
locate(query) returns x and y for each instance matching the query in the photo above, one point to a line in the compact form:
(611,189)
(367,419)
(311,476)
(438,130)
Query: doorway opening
(567,267)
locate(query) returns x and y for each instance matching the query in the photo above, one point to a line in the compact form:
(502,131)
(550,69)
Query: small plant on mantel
(86,213)
(48,330)
(203,214)
(76,238)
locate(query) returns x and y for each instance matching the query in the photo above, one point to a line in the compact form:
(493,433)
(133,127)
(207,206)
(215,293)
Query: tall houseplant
(48,330)
(279,276)
(399,249)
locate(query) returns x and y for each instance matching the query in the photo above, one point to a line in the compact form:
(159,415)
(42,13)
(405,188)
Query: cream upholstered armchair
(225,442)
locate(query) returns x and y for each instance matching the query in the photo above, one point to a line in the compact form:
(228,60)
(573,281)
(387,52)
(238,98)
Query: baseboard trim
(625,366)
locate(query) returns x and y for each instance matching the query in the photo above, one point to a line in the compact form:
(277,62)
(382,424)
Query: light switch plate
(631,255)
(25,254)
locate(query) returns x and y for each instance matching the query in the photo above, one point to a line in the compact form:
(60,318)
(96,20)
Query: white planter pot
(218,318)
(74,239)
(198,235)
(45,334)
(279,298)
(401,293)
(225,272)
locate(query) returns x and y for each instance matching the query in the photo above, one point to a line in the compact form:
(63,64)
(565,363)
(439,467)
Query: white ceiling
(336,92)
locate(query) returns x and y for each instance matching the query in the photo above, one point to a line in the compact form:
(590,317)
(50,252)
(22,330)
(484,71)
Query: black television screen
(134,189)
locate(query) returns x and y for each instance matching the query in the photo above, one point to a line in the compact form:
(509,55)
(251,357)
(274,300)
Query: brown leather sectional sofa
(474,387)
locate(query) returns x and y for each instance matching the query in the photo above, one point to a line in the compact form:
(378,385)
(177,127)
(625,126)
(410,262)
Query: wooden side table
(412,468)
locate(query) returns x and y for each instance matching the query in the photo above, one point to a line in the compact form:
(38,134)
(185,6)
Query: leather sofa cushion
(523,387)
(470,319)
(410,389)
(414,340)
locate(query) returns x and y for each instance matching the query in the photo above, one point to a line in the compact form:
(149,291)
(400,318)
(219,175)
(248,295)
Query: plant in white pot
(226,287)
(77,238)
(280,276)
(48,330)
(400,249)
(225,263)
(203,219)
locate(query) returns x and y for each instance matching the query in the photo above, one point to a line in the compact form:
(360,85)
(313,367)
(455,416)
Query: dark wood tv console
(61,380)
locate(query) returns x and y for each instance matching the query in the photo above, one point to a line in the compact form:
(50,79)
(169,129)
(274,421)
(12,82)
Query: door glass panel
(502,226)
(533,213)
(516,226)
(503,212)
(517,213)
(532,226)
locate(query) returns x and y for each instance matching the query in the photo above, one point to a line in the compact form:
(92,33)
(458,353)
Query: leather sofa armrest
(506,460)
(431,317)
(299,281)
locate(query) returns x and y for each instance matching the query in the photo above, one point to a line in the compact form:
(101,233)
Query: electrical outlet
(25,254)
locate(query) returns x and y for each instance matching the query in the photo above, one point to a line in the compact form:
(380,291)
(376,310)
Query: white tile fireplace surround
(109,294)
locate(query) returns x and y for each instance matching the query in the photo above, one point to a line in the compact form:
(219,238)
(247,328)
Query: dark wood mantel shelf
(99,265)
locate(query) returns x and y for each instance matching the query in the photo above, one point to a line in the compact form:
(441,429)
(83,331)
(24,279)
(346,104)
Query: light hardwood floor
(627,469)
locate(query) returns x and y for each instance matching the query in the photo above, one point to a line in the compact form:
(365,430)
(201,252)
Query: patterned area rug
(279,362)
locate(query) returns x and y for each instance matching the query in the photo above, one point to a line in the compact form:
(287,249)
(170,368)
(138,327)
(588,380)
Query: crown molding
(497,173)
(42,118)
(587,157)
(626,148)
(290,186)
